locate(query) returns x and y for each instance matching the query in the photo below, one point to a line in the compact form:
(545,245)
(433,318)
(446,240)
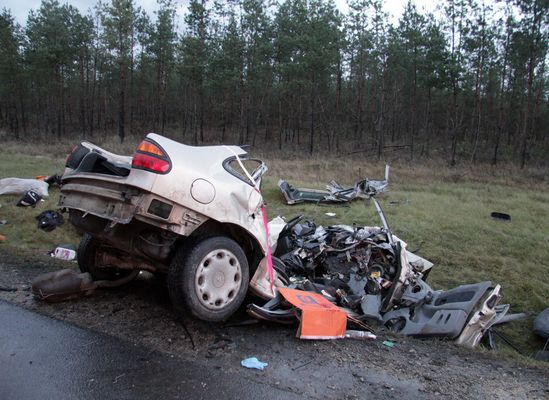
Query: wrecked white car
(193,213)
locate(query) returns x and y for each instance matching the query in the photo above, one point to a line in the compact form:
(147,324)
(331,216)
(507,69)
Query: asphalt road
(42,358)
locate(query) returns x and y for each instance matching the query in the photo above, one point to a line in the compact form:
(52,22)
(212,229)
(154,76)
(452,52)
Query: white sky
(20,8)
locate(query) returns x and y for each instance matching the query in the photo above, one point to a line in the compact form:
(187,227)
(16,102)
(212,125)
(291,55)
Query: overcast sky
(20,8)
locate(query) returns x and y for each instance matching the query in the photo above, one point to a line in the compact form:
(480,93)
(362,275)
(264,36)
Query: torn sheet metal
(67,284)
(481,320)
(62,285)
(276,225)
(261,285)
(334,192)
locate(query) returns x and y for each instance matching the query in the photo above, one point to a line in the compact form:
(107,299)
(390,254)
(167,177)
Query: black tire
(209,276)
(86,257)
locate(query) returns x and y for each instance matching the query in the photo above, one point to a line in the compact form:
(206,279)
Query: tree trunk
(312,127)
(121,103)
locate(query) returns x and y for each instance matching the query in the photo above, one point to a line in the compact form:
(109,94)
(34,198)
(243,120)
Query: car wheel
(87,261)
(209,276)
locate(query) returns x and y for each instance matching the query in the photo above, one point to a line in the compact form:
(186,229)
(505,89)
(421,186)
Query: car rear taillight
(151,157)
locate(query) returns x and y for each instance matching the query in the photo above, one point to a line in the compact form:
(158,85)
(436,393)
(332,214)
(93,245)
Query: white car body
(138,217)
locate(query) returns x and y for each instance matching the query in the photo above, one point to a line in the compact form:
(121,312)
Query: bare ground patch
(141,313)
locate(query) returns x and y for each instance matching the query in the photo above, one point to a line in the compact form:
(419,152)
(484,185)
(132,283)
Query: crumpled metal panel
(334,192)
(483,318)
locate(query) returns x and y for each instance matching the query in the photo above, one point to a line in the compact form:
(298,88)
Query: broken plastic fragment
(63,253)
(320,319)
(352,334)
(388,343)
(253,363)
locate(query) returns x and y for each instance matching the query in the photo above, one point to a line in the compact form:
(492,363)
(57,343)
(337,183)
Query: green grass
(445,212)
(21,231)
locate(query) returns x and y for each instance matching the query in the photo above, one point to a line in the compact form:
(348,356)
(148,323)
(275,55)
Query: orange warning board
(320,319)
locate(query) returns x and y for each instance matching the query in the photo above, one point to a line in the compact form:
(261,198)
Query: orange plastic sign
(320,319)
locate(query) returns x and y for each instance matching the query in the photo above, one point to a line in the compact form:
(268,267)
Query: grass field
(443,212)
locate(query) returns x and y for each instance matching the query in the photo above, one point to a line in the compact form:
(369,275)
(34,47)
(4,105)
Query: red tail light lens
(151,157)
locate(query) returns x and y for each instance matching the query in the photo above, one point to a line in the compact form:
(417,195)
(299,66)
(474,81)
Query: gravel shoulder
(141,313)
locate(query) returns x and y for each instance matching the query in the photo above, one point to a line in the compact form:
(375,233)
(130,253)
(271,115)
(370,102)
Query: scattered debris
(29,199)
(67,284)
(334,192)
(52,180)
(302,365)
(542,355)
(330,214)
(8,289)
(3,222)
(2,238)
(20,186)
(490,333)
(501,216)
(388,343)
(62,285)
(361,335)
(49,220)
(399,202)
(253,363)
(63,253)
(369,274)
(115,380)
